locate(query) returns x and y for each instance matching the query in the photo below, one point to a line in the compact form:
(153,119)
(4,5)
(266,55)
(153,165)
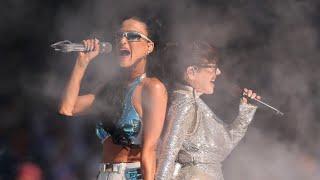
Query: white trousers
(120,171)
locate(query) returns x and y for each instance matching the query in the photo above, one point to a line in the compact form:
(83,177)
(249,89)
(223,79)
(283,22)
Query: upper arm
(154,104)
(179,119)
(83,103)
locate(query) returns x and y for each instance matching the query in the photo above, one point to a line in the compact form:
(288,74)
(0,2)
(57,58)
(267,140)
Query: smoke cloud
(270,46)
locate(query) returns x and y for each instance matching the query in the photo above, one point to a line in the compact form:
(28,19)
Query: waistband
(186,158)
(118,167)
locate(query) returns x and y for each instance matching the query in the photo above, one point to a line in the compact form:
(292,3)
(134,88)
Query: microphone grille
(105,47)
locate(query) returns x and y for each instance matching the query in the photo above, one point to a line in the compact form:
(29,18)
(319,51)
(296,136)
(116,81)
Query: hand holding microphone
(235,90)
(248,93)
(89,48)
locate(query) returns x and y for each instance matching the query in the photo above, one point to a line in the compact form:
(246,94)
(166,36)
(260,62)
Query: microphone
(235,90)
(67,46)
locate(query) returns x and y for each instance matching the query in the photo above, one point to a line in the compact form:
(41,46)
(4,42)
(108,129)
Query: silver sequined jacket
(196,140)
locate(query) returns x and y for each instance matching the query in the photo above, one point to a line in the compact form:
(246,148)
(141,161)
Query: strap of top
(136,81)
(132,86)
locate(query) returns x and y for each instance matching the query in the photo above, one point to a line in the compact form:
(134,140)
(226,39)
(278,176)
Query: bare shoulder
(154,86)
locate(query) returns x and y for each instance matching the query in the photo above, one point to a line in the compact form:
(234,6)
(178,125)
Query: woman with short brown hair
(195,140)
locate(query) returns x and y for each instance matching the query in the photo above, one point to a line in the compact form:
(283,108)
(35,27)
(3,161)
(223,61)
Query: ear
(150,47)
(191,71)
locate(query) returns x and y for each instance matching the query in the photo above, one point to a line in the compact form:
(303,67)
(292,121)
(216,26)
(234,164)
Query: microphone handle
(68,46)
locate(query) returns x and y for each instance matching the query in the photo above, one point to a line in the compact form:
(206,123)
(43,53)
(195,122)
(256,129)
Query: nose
(123,40)
(218,72)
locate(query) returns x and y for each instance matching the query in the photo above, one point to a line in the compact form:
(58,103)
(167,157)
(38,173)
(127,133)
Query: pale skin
(202,80)
(149,98)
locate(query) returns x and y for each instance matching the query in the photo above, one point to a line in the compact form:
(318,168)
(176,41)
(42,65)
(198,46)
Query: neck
(193,87)
(136,70)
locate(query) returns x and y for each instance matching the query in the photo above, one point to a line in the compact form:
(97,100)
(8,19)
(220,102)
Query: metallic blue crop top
(127,130)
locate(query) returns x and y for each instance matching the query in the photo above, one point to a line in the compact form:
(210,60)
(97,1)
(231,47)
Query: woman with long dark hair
(134,104)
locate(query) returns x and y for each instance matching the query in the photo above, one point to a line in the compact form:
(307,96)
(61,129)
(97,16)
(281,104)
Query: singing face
(202,77)
(133,44)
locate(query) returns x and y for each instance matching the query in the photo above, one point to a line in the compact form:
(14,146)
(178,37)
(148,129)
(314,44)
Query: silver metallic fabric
(197,139)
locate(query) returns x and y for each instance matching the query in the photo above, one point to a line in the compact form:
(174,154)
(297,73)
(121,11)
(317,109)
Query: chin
(124,63)
(209,91)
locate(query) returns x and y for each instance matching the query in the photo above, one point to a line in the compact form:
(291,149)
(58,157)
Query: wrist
(246,107)
(82,62)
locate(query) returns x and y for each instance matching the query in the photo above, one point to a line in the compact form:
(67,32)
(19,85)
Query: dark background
(266,45)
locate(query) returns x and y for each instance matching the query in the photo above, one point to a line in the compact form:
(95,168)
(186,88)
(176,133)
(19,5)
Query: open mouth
(124,52)
(212,82)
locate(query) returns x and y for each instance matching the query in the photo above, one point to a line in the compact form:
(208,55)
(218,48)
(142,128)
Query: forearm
(148,164)
(239,127)
(73,87)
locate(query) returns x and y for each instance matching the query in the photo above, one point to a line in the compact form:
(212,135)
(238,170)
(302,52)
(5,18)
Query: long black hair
(155,22)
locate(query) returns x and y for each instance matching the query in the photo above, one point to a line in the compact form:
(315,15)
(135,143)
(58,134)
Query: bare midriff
(113,153)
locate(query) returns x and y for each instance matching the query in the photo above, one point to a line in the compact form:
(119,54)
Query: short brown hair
(198,52)
(187,54)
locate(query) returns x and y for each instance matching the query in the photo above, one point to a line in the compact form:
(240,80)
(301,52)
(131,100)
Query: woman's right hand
(93,48)
(249,94)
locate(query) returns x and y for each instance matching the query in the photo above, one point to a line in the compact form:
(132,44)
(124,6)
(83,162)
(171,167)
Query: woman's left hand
(249,94)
